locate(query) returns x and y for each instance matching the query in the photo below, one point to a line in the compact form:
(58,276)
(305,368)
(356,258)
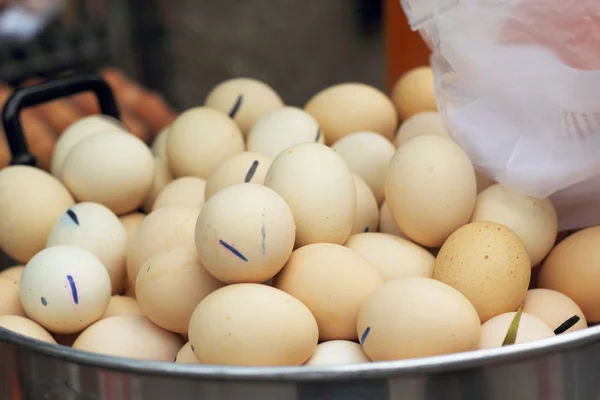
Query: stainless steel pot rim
(428,365)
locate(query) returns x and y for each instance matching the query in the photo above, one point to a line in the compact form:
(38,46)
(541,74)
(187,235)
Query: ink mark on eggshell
(318,135)
(568,324)
(73,216)
(366,229)
(193,347)
(236,106)
(233,250)
(251,171)
(364,336)
(44,302)
(264,236)
(73,289)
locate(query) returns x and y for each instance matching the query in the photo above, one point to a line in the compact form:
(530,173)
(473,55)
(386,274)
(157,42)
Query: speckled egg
(182,192)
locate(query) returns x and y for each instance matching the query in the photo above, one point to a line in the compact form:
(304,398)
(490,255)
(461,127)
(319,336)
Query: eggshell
(367,154)
(333,282)
(430,189)
(352,107)
(366,216)
(65,289)
(171,284)
(122,305)
(186,355)
(553,308)
(95,228)
(394,257)
(31,201)
(25,327)
(414,92)
(245,241)
(159,145)
(162,177)
(573,269)
(531,328)
(422,123)
(387,223)
(10,303)
(253,325)
(131,222)
(533,220)
(319,188)
(488,263)
(244,99)
(336,352)
(416,317)
(165,227)
(131,336)
(282,128)
(199,139)
(13,273)
(110,168)
(182,192)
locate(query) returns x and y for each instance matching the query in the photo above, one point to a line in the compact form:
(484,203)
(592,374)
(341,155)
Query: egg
(245,241)
(387,223)
(282,128)
(162,177)
(31,201)
(182,192)
(165,227)
(530,328)
(416,317)
(13,273)
(171,284)
(25,327)
(131,336)
(414,92)
(367,154)
(244,99)
(533,220)
(366,216)
(430,189)
(186,355)
(131,222)
(394,257)
(421,123)
(95,228)
(573,269)
(122,305)
(253,325)
(110,168)
(352,107)
(333,282)
(159,145)
(489,264)
(10,303)
(246,167)
(319,188)
(554,308)
(199,139)
(336,352)
(65,289)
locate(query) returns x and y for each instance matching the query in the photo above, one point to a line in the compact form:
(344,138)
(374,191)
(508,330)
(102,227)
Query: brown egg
(488,263)
(416,317)
(10,302)
(199,139)
(387,223)
(430,189)
(131,222)
(422,123)
(25,327)
(159,145)
(366,216)
(13,273)
(186,355)
(414,92)
(182,192)
(336,352)
(333,282)
(352,107)
(367,154)
(122,305)
(162,177)
(131,336)
(553,308)
(394,257)
(531,328)
(26,220)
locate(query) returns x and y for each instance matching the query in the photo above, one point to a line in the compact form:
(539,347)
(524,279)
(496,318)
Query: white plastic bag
(518,84)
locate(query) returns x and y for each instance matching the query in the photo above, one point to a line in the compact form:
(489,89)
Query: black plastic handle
(44,92)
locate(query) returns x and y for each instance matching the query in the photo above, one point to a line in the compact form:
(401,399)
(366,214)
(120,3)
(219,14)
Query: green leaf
(511,335)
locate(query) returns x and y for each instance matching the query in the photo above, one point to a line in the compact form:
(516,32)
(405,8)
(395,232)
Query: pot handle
(44,92)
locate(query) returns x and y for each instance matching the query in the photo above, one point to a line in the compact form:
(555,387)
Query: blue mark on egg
(251,171)
(73,289)
(44,302)
(73,217)
(193,347)
(366,229)
(264,237)
(236,106)
(364,336)
(233,250)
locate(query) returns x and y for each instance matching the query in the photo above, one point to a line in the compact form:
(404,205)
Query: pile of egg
(255,233)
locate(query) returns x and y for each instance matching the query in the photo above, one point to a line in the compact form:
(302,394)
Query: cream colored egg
(13,273)
(414,92)
(131,336)
(171,284)
(283,128)
(422,123)
(337,352)
(186,355)
(65,289)
(159,145)
(366,216)
(319,188)
(95,228)
(162,177)
(416,317)
(165,227)
(10,303)
(246,167)
(367,154)
(122,305)
(387,223)
(254,325)
(530,328)
(488,263)
(394,257)
(31,201)
(110,168)
(430,189)
(352,107)
(25,327)
(533,220)
(182,192)
(199,139)
(245,233)
(333,282)
(554,308)
(131,222)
